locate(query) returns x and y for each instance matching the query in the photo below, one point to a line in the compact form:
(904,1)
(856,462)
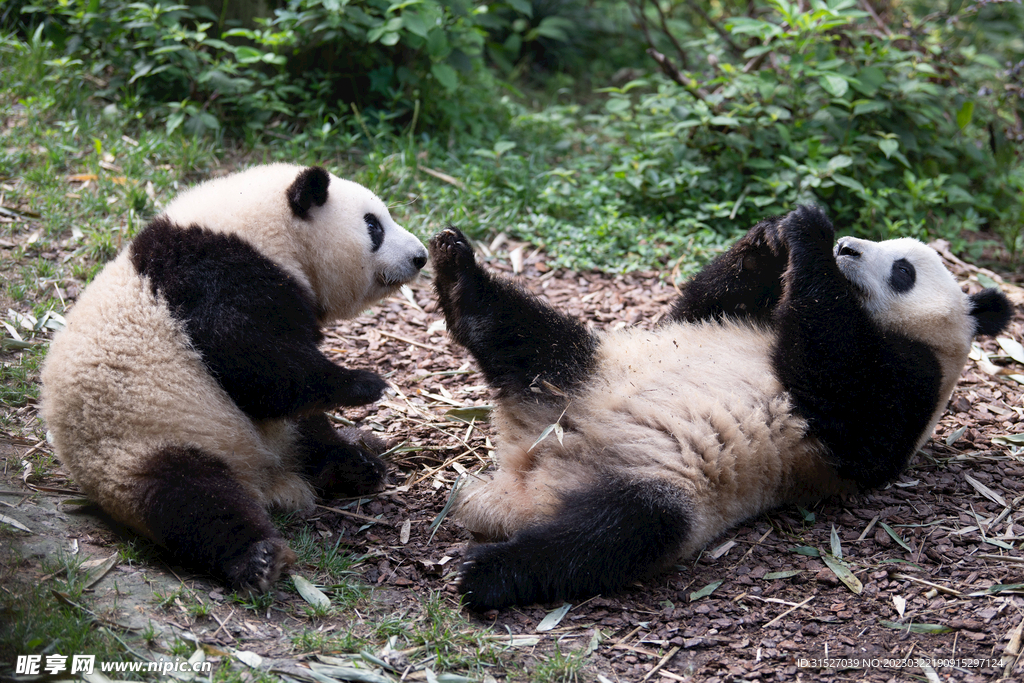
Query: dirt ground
(931,551)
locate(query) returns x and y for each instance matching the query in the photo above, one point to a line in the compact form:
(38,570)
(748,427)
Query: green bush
(892,132)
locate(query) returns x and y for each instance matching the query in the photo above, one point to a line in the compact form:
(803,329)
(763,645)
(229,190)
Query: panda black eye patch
(376,231)
(903,276)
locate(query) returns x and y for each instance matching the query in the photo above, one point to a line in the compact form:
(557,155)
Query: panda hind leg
(193,506)
(522,344)
(340,463)
(600,540)
(745,282)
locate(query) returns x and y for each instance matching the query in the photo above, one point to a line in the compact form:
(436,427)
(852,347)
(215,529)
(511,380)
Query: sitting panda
(789,370)
(187,393)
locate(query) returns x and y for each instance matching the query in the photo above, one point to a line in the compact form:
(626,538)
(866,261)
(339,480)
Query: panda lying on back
(789,370)
(187,393)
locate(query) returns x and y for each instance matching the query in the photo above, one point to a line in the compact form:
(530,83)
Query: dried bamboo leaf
(310,593)
(553,618)
(840,569)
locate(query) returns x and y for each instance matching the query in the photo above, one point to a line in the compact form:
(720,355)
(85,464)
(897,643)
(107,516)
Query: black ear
(308,189)
(991,310)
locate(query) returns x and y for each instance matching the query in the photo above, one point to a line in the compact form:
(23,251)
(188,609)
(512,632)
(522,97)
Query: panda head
(905,288)
(333,235)
(354,251)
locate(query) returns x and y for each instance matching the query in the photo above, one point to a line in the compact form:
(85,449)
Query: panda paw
(353,469)
(358,388)
(489,579)
(808,230)
(260,566)
(450,252)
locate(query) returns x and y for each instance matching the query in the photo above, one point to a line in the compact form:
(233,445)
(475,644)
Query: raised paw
(808,229)
(450,252)
(260,566)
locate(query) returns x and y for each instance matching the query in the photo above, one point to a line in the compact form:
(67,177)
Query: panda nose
(419,261)
(844,248)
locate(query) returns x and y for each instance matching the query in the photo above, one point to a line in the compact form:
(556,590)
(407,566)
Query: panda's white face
(342,243)
(356,253)
(904,285)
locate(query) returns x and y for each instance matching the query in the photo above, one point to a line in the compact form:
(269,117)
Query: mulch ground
(931,552)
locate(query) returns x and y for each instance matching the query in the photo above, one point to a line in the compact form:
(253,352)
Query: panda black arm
(253,324)
(745,281)
(519,341)
(867,394)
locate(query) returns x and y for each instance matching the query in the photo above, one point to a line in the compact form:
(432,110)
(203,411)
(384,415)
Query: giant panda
(789,369)
(187,394)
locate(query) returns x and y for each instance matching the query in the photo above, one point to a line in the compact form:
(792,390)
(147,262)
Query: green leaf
(414,23)
(806,550)
(390,39)
(705,591)
(1012,347)
(470,413)
(446,76)
(847,181)
(553,618)
(310,593)
(724,121)
(1009,439)
(437,44)
(932,629)
(840,569)
(837,545)
(839,161)
(999,588)
(986,281)
(896,537)
(522,6)
(964,116)
(247,55)
(836,86)
(888,146)
(869,107)
(787,574)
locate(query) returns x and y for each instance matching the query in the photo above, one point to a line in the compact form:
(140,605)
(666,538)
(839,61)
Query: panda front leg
(743,282)
(521,343)
(600,540)
(193,506)
(339,464)
(867,394)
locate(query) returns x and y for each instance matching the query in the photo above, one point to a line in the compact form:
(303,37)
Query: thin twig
(791,609)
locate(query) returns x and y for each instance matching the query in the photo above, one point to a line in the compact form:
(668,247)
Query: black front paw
(489,579)
(350,471)
(359,388)
(808,229)
(450,252)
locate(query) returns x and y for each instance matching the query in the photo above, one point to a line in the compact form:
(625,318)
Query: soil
(930,551)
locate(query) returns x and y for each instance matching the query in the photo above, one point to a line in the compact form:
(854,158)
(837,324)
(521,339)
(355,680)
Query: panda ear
(991,311)
(309,188)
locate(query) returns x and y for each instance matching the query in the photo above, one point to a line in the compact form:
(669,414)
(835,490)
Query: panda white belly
(714,422)
(125,382)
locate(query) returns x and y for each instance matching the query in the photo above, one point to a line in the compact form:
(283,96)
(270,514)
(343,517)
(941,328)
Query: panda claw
(450,251)
(260,566)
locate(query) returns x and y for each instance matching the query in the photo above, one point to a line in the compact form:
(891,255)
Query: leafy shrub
(892,132)
(330,63)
